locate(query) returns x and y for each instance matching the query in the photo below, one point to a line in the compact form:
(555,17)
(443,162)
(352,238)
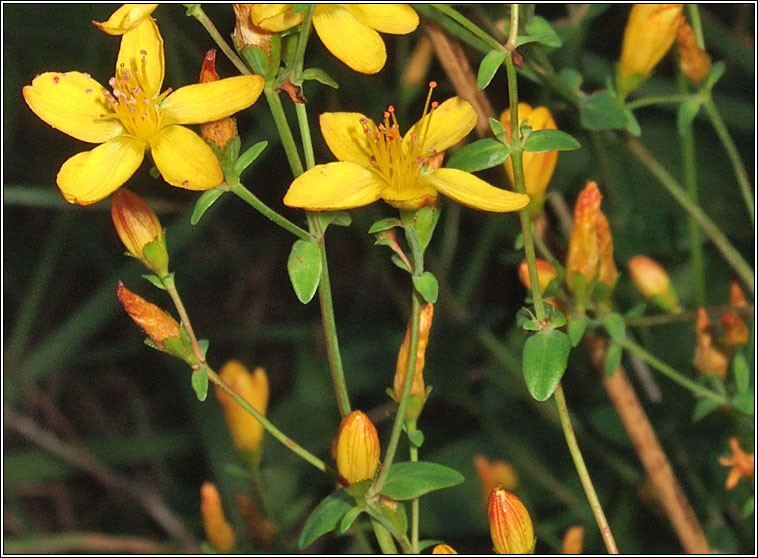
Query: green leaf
(177,347)
(544,361)
(741,372)
(384,225)
(612,359)
(540,30)
(703,408)
(204,202)
(717,70)
(557,318)
(411,479)
(488,68)
(257,59)
(479,155)
(425,221)
(745,402)
(550,140)
(203,344)
(319,75)
(349,518)
(632,126)
(398,261)
(416,437)
(749,508)
(572,78)
(155,280)
(339,218)
(397,517)
(602,111)
(304,268)
(427,286)
(200,383)
(615,326)
(498,129)
(247,158)
(326,517)
(531,325)
(576,329)
(686,114)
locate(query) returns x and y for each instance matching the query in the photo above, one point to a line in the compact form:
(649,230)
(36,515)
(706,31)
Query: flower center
(131,101)
(400,162)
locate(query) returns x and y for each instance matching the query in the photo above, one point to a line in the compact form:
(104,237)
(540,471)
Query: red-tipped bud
(139,230)
(545,274)
(510,525)
(653,282)
(158,325)
(357,452)
(218,131)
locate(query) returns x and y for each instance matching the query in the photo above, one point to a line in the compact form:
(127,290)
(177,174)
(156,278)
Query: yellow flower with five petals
(348,31)
(377,162)
(135,116)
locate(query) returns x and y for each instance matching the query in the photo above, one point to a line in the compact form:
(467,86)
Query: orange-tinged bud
(736,332)
(139,230)
(590,251)
(649,34)
(418,389)
(218,131)
(493,473)
(693,61)
(538,167)
(573,540)
(259,528)
(443,549)
(709,358)
(218,532)
(158,325)
(653,282)
(510,525)
(736,296)
(357,448)
(246,33)
(742,464)
(246,431)
(545,274)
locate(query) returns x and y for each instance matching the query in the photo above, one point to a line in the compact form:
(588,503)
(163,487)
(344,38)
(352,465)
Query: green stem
(687,142)
(170,286)
(673,374)
(696,25)
(381,521)
(305,135)
(410,426)
(305,29)
(383,537)
(730,254)
(468,24)
(581,468)
(734,156)
(283,128)
(250,198)
(197,12)
(659,100)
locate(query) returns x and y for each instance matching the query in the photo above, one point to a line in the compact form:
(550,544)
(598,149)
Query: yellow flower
(349,31)
(126,18)
(538,167)
(649,34)
(246,431)
(443,549)
(136,116)
(377,162)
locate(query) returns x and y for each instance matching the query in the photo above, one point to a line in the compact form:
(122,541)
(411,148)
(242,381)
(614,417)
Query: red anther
(386,114)
(435,104)
(390,109)
(143,52)
(432,84)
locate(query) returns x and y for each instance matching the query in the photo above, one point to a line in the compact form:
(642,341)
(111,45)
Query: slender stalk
(283,128)
(734,156)
(658,100)
(383,537)
(197,12)
(253,200)
(697,27)
(730,254)
(168,283)
(410,426)
(468,24)
(581,468)
(305,135)
(673,374)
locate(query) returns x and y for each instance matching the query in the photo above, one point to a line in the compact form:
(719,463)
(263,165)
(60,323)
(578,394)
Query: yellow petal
(206,102)
(126,18)
(345,137)
(397,19)
(334,186)
(143,42)
(184,159)
(73,103)
(417,196)
(357,45)
(450,123)
(89,177)
(275,17)
(473,192)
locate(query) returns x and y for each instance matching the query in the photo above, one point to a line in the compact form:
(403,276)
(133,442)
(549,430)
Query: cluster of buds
(418,389)
(140,231)
(357,451)
(538,167)
(510,524)
(246,431)
(653,283)
(218,531)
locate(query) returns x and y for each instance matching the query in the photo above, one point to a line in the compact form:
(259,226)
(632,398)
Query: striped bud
(357,452)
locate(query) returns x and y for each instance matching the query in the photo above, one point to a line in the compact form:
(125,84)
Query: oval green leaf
(576,329)
(320,76)
(615,326)
(250,155)
(488,68)
(304,268)
(427,286)
(602,111)
(200,383)
(550,140)
(411,479)
(349,518)
(612,359)
(480,155)
(204,202)
(545,357)
(326,517)
(540,30)
(384,225)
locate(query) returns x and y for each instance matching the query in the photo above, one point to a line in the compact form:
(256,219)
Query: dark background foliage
(76,365)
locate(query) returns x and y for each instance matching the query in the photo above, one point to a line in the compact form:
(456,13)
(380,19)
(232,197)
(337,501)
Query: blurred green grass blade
(725,41)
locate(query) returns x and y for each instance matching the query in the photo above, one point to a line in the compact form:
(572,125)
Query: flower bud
(709,358)
(590,251)
(653,283)
(218,131)
(545,274)
(649,34)
(538,167)
(158,325)
(693,61)
(218,532)
(357,449)
(510,525)
(418,389)
(139,230)
(493,473)
(573,540)
(246,431)
(443,549)
(736,332)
